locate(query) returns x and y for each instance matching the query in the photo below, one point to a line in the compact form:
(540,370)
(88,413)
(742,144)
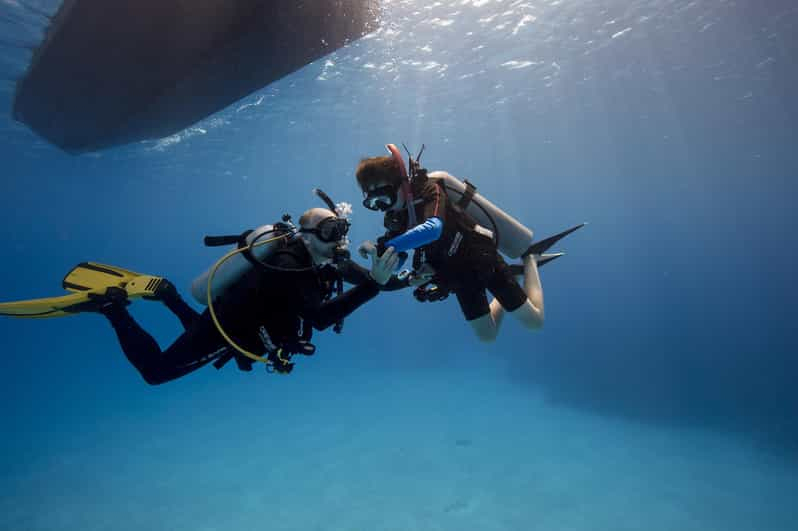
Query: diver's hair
(378,170)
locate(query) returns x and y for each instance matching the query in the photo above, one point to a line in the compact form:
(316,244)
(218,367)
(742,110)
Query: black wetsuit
(466,262)
(284,304)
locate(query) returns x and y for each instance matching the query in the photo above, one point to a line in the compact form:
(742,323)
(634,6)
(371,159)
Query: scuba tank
(508,234)
(236,266)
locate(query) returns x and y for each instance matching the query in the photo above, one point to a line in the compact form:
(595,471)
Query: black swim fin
(518,269)
(544,245)
(539,249)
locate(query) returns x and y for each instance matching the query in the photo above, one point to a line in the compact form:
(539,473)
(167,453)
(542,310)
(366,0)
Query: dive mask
(330,230)
(380,198)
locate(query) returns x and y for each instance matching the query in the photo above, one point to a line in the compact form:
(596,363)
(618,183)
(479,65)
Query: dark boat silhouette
(111,72)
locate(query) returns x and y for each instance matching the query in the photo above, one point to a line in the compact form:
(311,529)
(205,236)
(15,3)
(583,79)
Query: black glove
(280,362)
(430,293)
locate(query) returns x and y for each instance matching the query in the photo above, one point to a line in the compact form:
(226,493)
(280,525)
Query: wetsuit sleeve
(430,227)
(353,273)
(420,235)
(321,316)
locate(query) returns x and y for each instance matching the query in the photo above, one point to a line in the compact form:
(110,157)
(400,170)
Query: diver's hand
(382,267)
(365,249)
(422,276)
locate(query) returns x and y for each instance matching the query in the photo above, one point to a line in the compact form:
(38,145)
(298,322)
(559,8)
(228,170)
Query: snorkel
(407,188)
(327,201)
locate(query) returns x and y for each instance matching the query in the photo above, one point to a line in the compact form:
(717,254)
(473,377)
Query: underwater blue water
(659,395)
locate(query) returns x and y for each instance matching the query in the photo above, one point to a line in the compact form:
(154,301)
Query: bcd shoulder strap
(467,196)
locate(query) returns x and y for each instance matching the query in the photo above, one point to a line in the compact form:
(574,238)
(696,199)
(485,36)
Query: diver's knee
(530,317)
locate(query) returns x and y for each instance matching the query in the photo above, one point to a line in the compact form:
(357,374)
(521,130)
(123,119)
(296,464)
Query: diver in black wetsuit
(270,311)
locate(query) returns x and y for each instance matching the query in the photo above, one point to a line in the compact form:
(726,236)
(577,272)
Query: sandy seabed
(447,452)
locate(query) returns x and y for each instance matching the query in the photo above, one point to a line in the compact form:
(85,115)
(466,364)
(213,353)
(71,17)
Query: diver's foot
(113,299)
(166,291)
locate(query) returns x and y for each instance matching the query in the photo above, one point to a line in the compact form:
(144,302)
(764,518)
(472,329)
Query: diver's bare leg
(488,331)
(530,314)
(497,312)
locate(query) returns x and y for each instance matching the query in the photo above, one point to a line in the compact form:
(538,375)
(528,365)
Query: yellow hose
(216,266)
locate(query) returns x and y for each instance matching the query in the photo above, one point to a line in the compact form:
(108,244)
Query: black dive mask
(330,230)
(380,198)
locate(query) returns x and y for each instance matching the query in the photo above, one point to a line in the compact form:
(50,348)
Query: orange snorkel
(407,188)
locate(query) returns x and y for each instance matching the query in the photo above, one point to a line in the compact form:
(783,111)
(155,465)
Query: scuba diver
(264,298)
(457,236)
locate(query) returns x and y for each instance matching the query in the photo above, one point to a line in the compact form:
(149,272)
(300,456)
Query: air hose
(212,312)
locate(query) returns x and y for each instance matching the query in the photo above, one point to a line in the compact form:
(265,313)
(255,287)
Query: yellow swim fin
(88,276)
(42,308)
(88,283)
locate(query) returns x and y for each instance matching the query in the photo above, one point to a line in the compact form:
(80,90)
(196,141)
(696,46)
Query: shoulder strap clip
(468,195)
